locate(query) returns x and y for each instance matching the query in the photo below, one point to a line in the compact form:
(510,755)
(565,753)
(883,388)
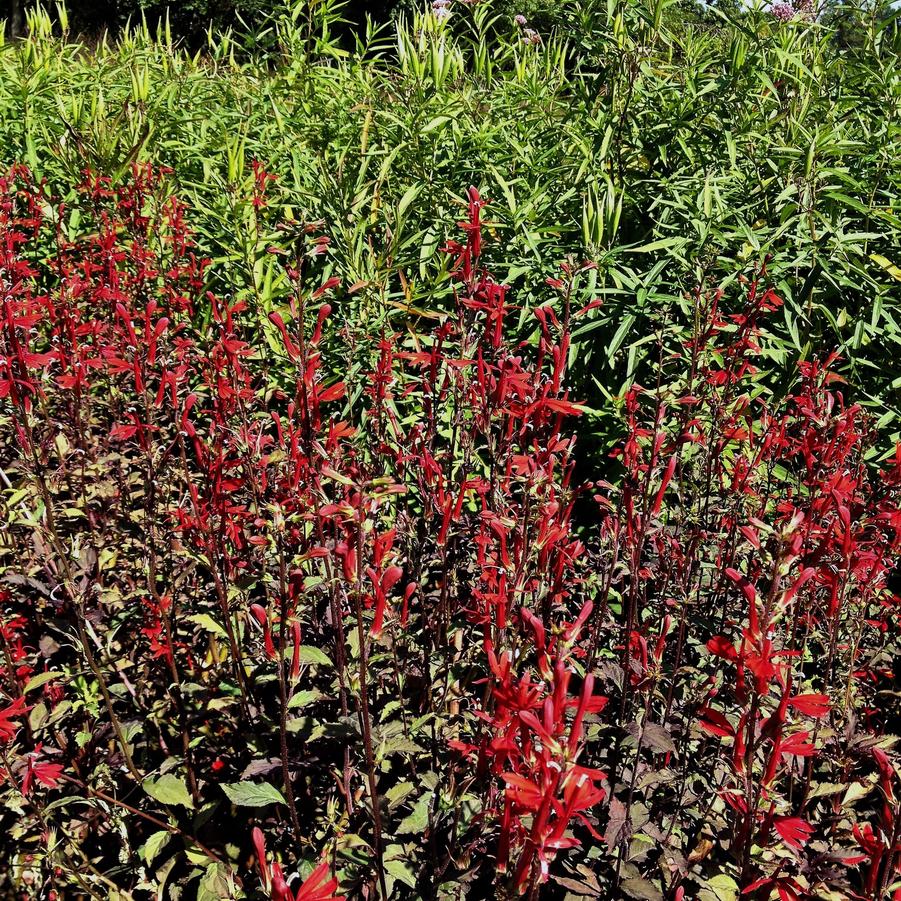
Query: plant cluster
(297,609)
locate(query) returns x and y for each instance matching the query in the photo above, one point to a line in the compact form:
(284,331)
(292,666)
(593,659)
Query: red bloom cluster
(349,545)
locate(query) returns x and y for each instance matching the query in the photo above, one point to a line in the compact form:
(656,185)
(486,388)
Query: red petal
(715,723)
(811,704)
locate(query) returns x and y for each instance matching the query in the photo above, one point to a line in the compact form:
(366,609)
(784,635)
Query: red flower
(46,773)
(320,886)
(811,704)
(797,745)
(793,830)
(715,723)
(789,889)
(15,710)
(720,646)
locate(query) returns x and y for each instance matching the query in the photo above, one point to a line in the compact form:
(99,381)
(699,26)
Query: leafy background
(671,152)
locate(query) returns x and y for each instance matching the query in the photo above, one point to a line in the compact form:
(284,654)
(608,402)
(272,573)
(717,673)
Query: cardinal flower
(793,830)
(15,710)
(37,770)
(320,886)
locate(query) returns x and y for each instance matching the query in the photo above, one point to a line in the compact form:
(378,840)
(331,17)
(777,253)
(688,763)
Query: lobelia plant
(273,577)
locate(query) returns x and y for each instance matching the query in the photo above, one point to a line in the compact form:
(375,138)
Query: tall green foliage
(673,153)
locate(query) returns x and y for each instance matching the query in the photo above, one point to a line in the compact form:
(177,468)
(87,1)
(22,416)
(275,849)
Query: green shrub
(672,155)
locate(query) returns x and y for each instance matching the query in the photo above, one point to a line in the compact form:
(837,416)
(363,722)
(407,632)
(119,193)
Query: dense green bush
(670,154)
